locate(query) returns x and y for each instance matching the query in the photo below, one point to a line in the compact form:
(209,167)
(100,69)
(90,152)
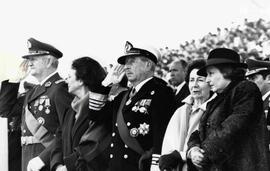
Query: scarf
(77,104)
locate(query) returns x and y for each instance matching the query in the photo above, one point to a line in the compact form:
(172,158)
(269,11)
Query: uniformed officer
(140,114)
(259,73)
(44,106)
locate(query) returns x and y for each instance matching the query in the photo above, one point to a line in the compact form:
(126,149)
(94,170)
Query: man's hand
(170,161)
(20,73)
(35,164)
(114,76)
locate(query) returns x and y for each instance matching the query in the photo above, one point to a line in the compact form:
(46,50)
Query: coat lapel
(81,119)
(39,90)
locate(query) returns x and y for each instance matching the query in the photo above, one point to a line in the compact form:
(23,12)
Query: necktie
(132,93)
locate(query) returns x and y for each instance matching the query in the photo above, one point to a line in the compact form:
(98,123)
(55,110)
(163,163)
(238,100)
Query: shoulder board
(59,81)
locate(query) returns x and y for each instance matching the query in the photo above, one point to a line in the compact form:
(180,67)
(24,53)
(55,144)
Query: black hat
(37,48)
(222,56)
(257,66)
(146,51)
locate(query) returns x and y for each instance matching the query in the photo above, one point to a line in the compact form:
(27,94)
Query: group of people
(214,119)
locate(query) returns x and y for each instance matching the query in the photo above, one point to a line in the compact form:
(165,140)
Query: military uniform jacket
(9,107)
(146,116)
(48,103)
(232,130)
(78,143)
(266,107)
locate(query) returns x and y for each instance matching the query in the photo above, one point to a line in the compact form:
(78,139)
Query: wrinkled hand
(61,168)
(35,164)
(114,76)
(197,157)
(170,161)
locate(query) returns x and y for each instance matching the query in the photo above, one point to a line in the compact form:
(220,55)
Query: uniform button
(111,156)
(24,131)
(116,124)
(126,146)
(125,156)
(111,144)
(113,134)
(128,124)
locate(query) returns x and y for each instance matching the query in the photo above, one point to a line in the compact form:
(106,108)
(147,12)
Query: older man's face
(135,69)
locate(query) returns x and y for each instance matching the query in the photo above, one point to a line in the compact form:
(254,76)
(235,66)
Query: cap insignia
(48,84)
(29,44)
(128,47)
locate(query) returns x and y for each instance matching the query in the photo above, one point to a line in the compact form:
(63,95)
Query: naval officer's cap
(257,67)
(144,50)
(37,48)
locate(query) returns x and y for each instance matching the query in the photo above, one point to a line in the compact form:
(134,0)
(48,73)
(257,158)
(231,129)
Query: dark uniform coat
(233,131)
(48,103)
(146,116)
(181,95)
(80,144)
(10,107)
(266,107)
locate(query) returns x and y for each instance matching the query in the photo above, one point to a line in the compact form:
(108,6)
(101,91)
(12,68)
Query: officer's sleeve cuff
(97,101)
(155,159)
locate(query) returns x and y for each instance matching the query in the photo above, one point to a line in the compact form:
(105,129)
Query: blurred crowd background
(251,39)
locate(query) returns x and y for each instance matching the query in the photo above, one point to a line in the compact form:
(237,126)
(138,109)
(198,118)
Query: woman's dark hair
(196,64)
(231,72)
(89,71)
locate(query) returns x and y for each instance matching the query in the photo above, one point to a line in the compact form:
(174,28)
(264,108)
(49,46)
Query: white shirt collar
(139,86)
(49,76)
(178,88)
(265,95)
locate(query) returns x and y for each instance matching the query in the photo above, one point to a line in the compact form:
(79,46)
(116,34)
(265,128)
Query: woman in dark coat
(232,135)
(83,138)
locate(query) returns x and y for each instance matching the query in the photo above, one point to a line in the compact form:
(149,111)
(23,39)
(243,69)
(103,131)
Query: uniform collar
(265,95)
(139,86)
(49,76)
(179,87)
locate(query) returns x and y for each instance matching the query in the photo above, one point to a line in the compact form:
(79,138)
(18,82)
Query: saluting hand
(114,76)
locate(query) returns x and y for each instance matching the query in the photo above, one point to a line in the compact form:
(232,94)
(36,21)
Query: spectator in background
(185,120)
(259,73)
(81,141)
(178,73)
(232,132)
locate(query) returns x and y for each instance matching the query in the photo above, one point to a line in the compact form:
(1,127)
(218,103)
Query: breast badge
(41,120)
(43,104)
(142,106)
(143,130)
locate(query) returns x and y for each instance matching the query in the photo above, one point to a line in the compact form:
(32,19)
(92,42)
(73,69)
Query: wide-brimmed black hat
(257,66)
(144,50)
(38,48)
(222,56)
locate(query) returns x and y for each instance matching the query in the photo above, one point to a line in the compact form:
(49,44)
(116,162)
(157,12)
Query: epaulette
(59,81)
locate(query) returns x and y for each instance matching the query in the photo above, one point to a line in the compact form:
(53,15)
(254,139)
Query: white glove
(61,168)
(154,168)
(114,76)
(35,164)
(19,73)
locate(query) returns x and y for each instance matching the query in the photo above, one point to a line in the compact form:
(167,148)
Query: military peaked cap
(37,48)
(257,66)
(146,51)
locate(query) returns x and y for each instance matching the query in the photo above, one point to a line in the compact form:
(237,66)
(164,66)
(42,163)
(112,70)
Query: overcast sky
(100,28)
